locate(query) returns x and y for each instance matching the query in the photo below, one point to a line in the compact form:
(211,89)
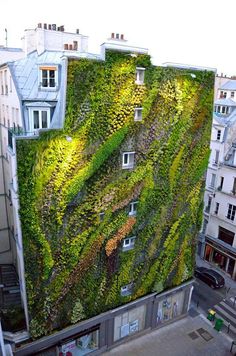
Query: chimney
(45,26)
(54,27)
(39,25)
(49,27)
(66,46)
(112,35)
(77,31)
(75,45)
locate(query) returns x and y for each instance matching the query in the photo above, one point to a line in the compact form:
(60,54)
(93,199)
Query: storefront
(221,257)
(98,334)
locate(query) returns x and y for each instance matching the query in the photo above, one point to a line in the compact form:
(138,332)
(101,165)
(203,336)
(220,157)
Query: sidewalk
(191,336)
(230,285)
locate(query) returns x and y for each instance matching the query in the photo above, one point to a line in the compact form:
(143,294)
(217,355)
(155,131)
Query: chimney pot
(117,36)
(62,28)
(70,47)
(54,27)
(39,25)
(77,31)
(66,46)
(45,26)
(112,35)
(122,37)
(49,27)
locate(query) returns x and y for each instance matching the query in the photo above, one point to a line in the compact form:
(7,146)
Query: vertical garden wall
(76,199)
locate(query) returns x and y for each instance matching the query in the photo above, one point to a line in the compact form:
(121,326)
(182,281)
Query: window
(226,235)
(133,208)
(10,81)
(128,160)
(139,75)
(223,95)
(128,243)
(223,109)
(231,212)
(217,208)
(101,216)
(1,83)
(234,186)
(208,207)
(39,119)
(213,180)
(218,109)
(216,159)
(232,94)
(218,135)
(221,183)
(138,114)
(48,77)
(130,322)
(126,290)
(6,83)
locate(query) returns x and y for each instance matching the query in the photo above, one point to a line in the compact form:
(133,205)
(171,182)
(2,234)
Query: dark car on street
(210,277)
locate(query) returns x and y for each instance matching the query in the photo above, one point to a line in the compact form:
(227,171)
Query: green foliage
(79,265)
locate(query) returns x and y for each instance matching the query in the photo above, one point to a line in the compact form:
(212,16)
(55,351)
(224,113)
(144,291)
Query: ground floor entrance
(222,259)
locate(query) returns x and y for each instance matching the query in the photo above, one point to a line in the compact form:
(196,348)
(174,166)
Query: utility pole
(6,36)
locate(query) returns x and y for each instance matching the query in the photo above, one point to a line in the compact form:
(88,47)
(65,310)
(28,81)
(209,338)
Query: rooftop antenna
(6,36)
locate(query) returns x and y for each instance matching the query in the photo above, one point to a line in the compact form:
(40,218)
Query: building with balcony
(217,240)
(102,161)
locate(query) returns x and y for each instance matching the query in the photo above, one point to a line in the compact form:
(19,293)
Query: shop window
(140,75)
(128,160)
(138,114)
(226,235)
(128,244)
(129,322)
(231,212)
(133,208)
(81,345)
(170,307)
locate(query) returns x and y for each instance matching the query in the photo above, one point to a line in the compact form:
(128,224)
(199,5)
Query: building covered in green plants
(109,179)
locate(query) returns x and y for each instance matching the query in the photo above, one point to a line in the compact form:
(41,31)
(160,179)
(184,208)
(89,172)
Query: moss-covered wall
(75,266)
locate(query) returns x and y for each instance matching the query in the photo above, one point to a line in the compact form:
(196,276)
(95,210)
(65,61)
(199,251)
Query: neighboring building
(217,240)
(102,159)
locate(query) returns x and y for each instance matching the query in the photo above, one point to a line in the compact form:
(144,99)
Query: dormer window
(223,95)
(138,114)
(139,75)
(39,118)
(48,77)
(232,94)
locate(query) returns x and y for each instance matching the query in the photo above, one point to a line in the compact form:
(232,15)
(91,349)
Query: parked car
(210,277)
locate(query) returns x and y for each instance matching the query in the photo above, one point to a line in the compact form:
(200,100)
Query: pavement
(191,336)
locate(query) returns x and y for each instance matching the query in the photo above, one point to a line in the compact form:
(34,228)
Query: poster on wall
(124,330)
(133,326)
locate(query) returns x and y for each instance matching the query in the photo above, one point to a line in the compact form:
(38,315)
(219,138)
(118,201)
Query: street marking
(229,308)
(223,312)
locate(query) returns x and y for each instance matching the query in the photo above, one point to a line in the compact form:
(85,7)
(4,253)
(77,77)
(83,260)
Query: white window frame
(213,180)
(130,160)
(128,243)
(231,212)
(31,118)
(140,75)
(48,68)
(138,114)
(132,210)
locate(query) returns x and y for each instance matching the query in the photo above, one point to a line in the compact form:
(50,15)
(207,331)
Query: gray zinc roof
(25,71)
(227,102)
(230,85)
